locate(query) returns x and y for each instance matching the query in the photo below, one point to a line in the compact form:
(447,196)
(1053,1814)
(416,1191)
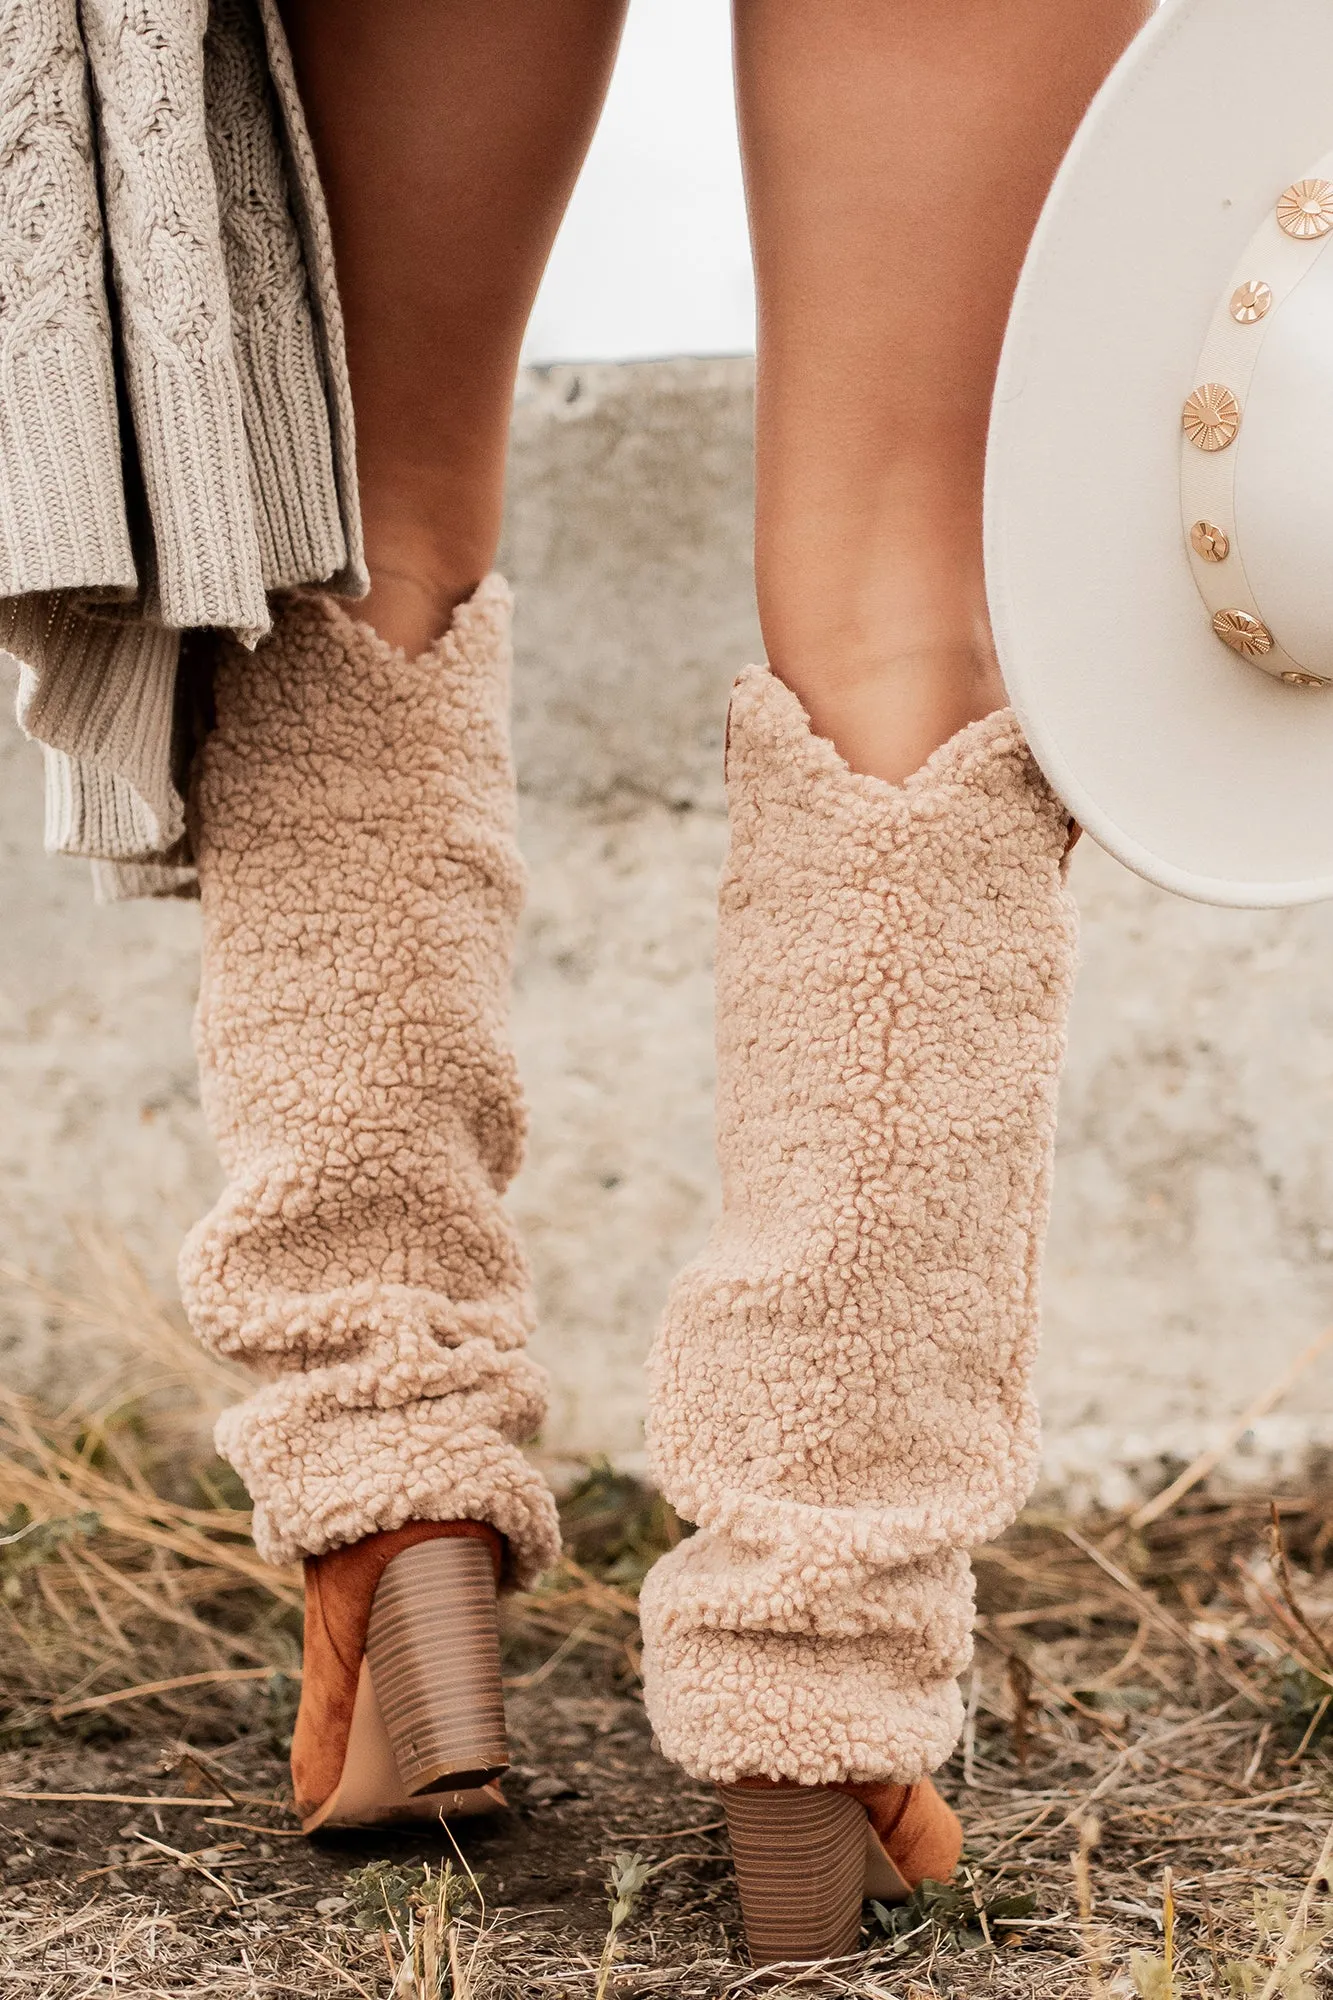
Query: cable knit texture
(840,1387)
(62,509)
(285,413)
(164,230)
(164,137)
(360,876)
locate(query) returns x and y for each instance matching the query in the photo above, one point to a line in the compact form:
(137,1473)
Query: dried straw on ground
(1144,1775)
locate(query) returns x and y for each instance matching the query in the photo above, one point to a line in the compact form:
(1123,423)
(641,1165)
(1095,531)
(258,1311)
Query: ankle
(409,611)
(886,714)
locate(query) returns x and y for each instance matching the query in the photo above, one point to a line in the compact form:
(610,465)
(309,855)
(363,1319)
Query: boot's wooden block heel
(807,1856)
(800,1855)
(432,1647)
(402,1717)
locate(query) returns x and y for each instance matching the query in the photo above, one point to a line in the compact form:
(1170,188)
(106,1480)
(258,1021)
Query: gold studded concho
(1297,229)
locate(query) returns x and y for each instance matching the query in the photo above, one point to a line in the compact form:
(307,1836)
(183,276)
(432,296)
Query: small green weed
(616,1526)
(24,1543)
(1288,1952)
(417,1910)
(624,1884)
(958,1916)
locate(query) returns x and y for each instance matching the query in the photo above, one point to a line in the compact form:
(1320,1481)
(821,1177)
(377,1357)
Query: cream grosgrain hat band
(1242,466)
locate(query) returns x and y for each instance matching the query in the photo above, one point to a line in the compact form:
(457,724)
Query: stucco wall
(1192,1247)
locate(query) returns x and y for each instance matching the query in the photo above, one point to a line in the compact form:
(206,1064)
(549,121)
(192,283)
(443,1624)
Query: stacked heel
(800,1855)
(433,1653)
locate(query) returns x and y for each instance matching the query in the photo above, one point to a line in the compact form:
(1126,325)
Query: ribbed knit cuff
(98,694)
(190,424)
(312,220)
(296,509)
(92,813)
(287,426)
(62,506)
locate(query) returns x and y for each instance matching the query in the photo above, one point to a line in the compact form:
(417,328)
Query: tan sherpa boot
(840,1388)
(360,882)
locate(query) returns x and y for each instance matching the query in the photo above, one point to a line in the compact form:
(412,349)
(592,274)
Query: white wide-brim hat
(1159,484)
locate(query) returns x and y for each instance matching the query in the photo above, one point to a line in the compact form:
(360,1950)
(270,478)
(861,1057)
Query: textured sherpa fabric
(840,1388)
(360,882)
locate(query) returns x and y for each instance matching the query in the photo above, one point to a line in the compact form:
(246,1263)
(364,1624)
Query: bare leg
(449,135)
(360,881)
(896,159)
(842,1380)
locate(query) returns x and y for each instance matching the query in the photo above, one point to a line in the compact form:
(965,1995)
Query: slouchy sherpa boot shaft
(840,1389)
(360,883)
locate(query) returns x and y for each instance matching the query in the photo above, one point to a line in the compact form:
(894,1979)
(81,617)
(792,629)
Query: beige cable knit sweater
(163,137)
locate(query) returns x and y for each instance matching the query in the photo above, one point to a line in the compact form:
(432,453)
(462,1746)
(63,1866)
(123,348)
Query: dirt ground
(256,1906)
(1111,1738)
(1144,1776)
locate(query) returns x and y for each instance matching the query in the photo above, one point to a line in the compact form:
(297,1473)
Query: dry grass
(1144,1774)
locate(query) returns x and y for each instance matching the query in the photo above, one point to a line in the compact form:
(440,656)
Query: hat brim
(1194,769)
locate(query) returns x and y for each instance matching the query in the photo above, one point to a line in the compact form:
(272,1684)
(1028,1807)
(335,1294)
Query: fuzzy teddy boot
(840,1388)
(354,822)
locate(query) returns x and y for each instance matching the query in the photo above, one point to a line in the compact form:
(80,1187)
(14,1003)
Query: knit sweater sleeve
(283,393)
(62,509)
(161,202)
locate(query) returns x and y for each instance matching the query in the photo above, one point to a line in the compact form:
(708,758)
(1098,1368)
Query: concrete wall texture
(1191,1253)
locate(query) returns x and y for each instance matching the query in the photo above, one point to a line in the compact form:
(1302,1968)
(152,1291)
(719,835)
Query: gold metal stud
(1209,542)
(1245,634)
(1306,209)
(1211,417)
(1295,680)
(1251,301)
